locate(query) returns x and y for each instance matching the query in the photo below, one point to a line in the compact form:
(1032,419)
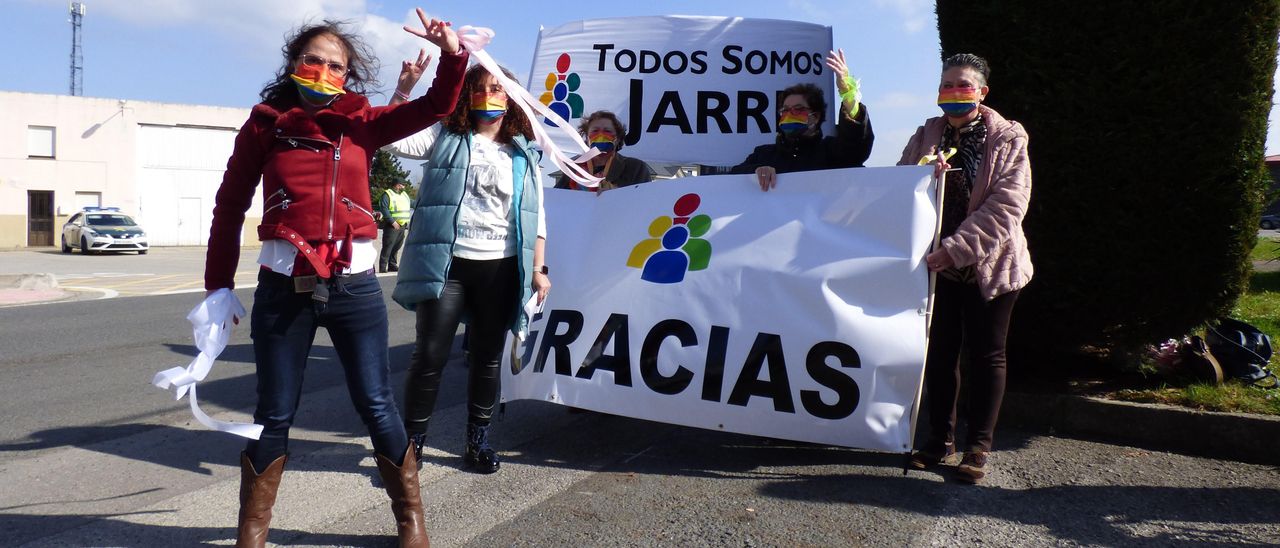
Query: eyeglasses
(800,110)
(335,68)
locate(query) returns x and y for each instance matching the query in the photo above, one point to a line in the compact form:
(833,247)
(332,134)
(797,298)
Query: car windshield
(110,220)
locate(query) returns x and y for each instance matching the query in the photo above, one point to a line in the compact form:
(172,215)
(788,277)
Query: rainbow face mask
(602,139)
(792,123)
(957,102)
(488,107)
(317,85)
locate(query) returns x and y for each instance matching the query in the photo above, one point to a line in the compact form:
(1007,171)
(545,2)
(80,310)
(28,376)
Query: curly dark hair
(978,64)
(362,64)
(460,121)
(618,129)
(812,95)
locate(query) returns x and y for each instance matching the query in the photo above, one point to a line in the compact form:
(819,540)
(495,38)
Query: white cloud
(256,25)
(916,14)
(252,20)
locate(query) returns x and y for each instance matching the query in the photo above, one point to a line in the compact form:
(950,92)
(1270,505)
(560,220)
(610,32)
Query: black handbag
(1242,350)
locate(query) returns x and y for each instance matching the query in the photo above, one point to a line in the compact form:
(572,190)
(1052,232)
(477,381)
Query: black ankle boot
(480,457)
(418,441)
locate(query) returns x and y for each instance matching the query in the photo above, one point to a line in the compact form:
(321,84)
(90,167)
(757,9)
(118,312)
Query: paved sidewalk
(1236,436)
(14,296)
(16,289)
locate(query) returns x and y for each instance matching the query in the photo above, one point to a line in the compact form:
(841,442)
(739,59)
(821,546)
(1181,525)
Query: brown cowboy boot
(257,496)
(406,499)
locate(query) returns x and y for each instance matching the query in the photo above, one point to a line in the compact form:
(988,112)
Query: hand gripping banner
(211,323)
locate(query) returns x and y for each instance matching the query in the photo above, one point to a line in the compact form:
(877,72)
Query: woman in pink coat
(982,263)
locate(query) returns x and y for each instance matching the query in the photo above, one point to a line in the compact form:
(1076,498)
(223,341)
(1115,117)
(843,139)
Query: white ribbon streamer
(475,39)
(211,323)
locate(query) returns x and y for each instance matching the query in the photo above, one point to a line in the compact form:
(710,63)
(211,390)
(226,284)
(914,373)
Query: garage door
(179,171)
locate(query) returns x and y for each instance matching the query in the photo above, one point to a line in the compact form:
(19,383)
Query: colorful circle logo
(561,95)
(674,246)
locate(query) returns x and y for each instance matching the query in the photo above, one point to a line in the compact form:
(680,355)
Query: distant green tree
(385,173)
(1148,124)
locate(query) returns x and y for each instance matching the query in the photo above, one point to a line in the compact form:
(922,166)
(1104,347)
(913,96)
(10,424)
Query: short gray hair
(978,64)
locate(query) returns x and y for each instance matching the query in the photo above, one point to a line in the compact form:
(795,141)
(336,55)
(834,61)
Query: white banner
(675,80)
(795,314)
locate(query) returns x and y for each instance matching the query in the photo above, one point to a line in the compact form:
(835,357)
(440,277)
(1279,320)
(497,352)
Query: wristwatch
(543,269)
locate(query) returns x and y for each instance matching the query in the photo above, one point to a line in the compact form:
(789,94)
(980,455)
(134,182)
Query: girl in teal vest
(474,250)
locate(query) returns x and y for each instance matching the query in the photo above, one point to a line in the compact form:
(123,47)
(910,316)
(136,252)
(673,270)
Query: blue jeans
(283,328)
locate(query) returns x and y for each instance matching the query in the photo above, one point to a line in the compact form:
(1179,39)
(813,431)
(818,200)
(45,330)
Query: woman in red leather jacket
(310,141)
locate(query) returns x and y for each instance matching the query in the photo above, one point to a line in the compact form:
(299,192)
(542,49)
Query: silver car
(103,229)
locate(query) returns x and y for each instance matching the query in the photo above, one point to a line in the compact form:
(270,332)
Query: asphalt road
(92,455)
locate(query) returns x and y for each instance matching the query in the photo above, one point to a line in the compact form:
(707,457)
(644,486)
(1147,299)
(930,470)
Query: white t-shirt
(486,217)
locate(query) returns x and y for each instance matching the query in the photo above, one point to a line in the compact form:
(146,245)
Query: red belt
(320,260)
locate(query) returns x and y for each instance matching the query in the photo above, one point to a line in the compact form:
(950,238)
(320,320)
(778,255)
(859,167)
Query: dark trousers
(392,241)
(486,292)
(284,326)
(961,316)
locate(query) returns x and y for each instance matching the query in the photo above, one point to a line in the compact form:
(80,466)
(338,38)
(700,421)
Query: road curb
(1236,436)
(28,281)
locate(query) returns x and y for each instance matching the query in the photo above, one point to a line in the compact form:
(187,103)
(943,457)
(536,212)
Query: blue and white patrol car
(95,229)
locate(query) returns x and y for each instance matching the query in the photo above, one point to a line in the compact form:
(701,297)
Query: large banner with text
(676,80)
(796,313)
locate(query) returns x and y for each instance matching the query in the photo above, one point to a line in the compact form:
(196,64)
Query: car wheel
(1268,225)
(65,248)
(142,252)
(84,246)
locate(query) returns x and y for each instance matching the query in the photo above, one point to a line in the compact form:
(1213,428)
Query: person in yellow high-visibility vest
(396,210)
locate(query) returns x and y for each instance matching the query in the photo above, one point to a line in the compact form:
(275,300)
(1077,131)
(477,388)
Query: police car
(97,229)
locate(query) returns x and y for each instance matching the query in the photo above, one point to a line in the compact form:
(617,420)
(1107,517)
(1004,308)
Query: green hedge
(1148,124)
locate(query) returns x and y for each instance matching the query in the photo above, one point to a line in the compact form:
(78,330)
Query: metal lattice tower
(77,58)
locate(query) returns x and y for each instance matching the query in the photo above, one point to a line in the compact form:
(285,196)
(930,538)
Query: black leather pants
(485,292)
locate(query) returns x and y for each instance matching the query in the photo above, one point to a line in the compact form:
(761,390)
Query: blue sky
(221,52)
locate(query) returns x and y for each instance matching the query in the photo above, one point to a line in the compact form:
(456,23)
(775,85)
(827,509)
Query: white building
(158,162)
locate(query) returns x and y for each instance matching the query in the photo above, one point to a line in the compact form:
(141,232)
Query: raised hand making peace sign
(435,31)
(410,73)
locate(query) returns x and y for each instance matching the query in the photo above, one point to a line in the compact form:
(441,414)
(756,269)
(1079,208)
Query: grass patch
(1231,397)
(1259,306)
(1268,249)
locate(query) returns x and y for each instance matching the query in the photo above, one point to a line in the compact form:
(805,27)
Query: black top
(968,142)
(850,147)
(623,171)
